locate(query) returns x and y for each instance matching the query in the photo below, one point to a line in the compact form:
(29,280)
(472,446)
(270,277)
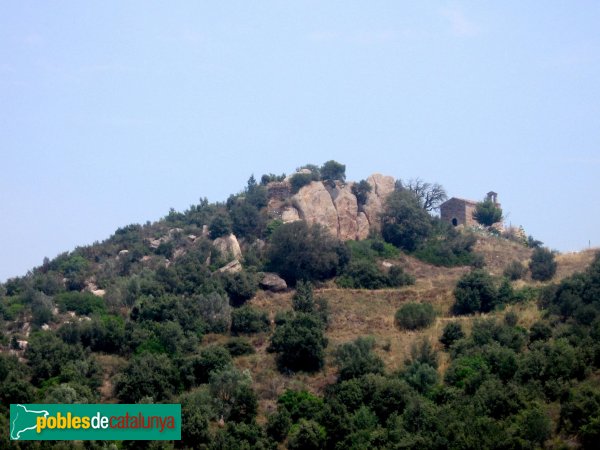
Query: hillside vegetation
(280,335)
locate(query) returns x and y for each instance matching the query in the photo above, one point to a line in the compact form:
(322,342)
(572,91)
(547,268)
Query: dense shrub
(240,286)
(452,332)
(300,344)
(361,190)
(412,316)
(474,292)
(249,320)
(448,247)
(299,251)
(299,180)
(364,274)
(542,265)
(307,435)
(239,347)
(213,358)
(515,271)
(404,223)
(82,303)
(357,358)
(148,375)
(487,213)
(220,225)
(333,171)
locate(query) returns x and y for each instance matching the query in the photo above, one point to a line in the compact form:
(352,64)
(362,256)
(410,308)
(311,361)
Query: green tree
(474,292)
(412,316)
(404,223)
(333,171)
(147,375)
(299,251)
(542,265)
(452,332)
(357,358)
(300,344)
(307,435)
(249,320)
(232,395)
(487,213)
(220,225)
(303,299)
(361,191)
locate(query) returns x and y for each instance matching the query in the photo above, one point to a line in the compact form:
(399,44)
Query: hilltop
(309,311)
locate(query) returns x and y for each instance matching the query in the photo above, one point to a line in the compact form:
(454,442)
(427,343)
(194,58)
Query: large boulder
(314,204)
(346,206)
(381,187)
(272,282)
(289,214)
(232,267)
(228,246)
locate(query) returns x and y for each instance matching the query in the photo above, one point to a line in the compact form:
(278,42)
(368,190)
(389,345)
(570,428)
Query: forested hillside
(274,333)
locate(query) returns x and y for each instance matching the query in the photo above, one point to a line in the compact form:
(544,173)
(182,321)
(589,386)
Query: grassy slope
(359,312)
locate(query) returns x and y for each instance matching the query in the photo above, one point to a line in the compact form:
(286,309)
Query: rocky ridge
(332,205)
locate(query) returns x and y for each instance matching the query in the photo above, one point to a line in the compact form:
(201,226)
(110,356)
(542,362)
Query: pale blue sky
(112,112)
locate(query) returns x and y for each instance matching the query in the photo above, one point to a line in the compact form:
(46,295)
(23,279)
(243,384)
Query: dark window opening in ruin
(454,222)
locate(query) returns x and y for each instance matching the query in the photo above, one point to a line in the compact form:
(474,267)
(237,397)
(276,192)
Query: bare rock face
(381,187)
(314,204)
(333,206)
(228,246)
(232,267)
(346,206)
(289,214)
(362,225)
(273,282)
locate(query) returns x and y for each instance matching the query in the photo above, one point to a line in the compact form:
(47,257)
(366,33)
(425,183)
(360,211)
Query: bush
(515,271)
(449,247)
(279,424)
(149,375)
(361,191)
(300,344)
(249,320)
(240,286)
(302,252)
(404,223)
(474,292)
(220,225)
(452,332)
(364,274)
(299,180)
(307,435)
(239,347)
(542,265)
(487,213)
(303,299)
(412,316)
(332,171)
(213,358)
(82,303)
(357,358)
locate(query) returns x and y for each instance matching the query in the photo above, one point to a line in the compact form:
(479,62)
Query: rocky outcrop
(228,246)
(289,214)
(333,206)
(232,267)
(314,204)
(346,208)
(272,282)
(381,187)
